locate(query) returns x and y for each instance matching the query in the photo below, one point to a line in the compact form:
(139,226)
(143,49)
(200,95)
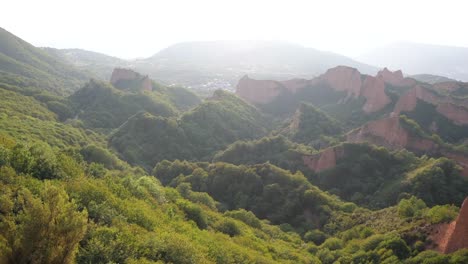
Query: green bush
(228,227)
(316,236)
(411,207)
(441,213)
(194,213)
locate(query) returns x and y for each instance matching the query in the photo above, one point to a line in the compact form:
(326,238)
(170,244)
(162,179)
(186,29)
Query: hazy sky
(139,28)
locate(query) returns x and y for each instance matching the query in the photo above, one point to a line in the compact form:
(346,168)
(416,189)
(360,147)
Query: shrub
(194,212)
(228,227)
(411,207)
(245,216)
(316,236)
(441,213)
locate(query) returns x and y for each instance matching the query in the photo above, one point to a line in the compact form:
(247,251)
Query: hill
(415,58)
(21,62)
(101,65)
(196,135)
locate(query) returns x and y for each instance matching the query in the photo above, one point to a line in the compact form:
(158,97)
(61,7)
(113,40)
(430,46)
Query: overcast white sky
(140,28)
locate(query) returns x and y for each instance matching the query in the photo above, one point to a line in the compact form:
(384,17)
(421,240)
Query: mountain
(211,65)
(22,63)
(197,63)
(145,139)
(101,65)
(415,58)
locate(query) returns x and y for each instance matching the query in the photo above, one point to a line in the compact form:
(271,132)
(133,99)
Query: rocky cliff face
(258,91)
(341,78)
(389,133)
(373,89)
(458,114)
(395,78)
(454,236)
(323,160)
(120,75)
(345,79)
(456,111)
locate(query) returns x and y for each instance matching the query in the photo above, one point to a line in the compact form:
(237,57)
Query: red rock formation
(386,132)
(444,105)
(258,91)
(395,78)
(458,239)
(373,89)
(295,84)
(389,133)
(454,236)
(458,114)
(119,74)
(447,86)
(340,78)
(344,78)
(408,101)
(323,160)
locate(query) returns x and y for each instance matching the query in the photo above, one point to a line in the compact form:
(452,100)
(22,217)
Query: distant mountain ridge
(218,64)
(415,58)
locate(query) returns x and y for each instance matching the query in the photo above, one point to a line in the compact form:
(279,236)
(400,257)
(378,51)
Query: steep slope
(100,105)
(398,132)
(309,124)
(196,135)
(342,92)
(21,60)
(415,58)
(375,177)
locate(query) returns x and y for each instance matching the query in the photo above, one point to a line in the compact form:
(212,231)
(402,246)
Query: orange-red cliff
(341,78)
(323,160)
(389,133)
(454,236)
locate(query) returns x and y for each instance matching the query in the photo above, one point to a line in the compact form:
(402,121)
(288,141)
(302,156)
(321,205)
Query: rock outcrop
(120,75)
(323,160)
(389,133)
(457,112)
(373,89)
(451,237)
(345,79)
(258,91)
(395,78)
(341,79)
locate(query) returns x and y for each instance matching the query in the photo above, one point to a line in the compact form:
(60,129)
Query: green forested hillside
(196,135)
(377,178)
(99,105)
(19,59)
(309,124)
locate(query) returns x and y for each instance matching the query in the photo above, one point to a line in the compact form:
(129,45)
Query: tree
(46,229)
